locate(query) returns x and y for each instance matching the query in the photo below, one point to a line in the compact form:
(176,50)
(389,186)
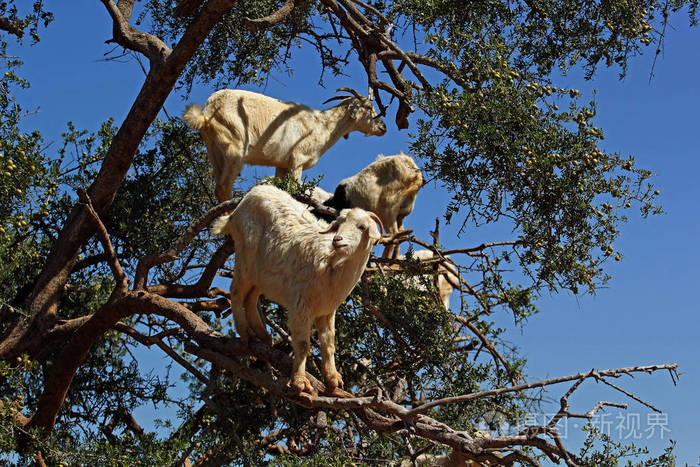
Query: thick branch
(125,8)
(259,24)
(186,8)
(77,229)
(365,408)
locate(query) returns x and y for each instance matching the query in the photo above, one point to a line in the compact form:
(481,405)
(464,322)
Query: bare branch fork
(147,262)
(596,374)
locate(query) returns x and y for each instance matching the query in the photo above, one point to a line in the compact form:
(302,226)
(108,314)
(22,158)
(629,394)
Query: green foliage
(600,449)
(231,54)
(168,187)
(509,145)
(507,152)
(26,17)
(169,176)
(28,192)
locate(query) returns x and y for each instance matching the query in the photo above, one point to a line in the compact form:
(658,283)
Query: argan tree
(104,249)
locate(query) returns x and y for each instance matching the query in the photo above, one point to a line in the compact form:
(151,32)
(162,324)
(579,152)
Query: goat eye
(362,227)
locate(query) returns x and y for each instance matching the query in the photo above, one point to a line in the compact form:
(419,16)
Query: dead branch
(630,395)
(538,384)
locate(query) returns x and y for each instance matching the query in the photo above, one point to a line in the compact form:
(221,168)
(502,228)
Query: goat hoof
(333,381)
(300,384)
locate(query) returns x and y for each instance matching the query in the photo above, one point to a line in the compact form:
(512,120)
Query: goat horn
(351,91)
(335,98)
(376,219)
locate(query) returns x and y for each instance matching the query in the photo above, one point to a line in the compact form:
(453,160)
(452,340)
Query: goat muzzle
(339,242)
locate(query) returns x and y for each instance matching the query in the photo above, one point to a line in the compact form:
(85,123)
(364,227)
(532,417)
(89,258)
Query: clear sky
(647,314)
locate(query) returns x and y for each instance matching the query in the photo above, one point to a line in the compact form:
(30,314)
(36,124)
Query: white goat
(245,127)
(320,195)
(387,187)
(281,253)
(446,276)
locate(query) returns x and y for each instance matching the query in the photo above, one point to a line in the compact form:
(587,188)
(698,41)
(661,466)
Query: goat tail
(221,226)
(194,116)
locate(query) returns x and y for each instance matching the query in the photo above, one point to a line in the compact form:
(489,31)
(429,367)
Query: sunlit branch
(538,384)
(133,39)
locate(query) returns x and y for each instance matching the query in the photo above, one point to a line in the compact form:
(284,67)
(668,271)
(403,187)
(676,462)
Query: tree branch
(538,384)
(146,263)
(77,229)
(259,24)
(157,340)
(130,38)
(122,282)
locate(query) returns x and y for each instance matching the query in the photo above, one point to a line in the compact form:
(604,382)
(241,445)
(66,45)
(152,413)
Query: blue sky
(647,314)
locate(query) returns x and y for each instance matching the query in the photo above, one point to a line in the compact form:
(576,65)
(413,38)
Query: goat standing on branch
(387,187)
(241,126)
(305,265)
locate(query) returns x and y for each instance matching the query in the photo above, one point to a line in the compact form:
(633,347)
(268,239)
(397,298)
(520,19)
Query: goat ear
(333,227)
(376,219)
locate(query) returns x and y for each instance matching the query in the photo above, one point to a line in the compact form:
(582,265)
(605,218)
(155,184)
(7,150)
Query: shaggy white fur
(308,267)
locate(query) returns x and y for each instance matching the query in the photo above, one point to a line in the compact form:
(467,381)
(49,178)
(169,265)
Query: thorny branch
(614,373)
